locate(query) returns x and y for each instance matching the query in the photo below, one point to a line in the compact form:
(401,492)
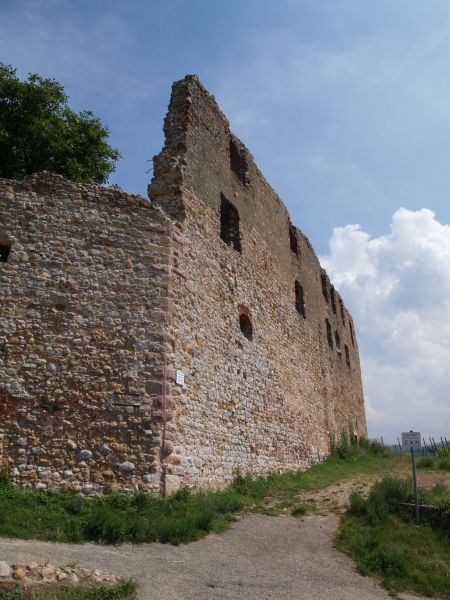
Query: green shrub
(181,495)
(352,439)
(444,463)
(123,590)
(438,494)
(444,514)
(143,501)
(443,452)
(225,502)
(76,505)
(105,525)
(425,462)
(439,462)
(385,496)
(377,448)
(347,447)
(363,443)
(116,500)
(384,559)
(193,526)
(143,530)
(358,504)
(299,510)
(256,489)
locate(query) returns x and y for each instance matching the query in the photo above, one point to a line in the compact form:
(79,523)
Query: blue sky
(345,107)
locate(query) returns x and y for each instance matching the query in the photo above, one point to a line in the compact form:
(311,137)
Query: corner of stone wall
(171,476)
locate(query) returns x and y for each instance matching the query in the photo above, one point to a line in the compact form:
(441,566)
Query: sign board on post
(411,439)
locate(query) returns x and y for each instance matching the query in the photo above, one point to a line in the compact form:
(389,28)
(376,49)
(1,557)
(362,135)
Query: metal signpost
(411,439)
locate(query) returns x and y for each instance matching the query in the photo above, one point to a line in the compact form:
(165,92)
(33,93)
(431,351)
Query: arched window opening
(341,307)
(347,355)
(333,299)
(324,282)
(293,239)
(229,224)
(329,333)
(245,325)
(351,332)
(299,299)
(238,162)
(337,339)
(5,249)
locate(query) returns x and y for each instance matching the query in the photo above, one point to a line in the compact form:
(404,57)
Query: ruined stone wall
(84,304)
(104,296)
(269,403)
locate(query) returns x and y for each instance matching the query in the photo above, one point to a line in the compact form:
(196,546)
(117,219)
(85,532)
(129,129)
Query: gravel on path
(259,558)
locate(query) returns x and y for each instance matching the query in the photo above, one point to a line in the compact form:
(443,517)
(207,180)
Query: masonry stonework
(106,295)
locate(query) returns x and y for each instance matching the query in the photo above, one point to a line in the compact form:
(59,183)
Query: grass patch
(277,493)
(299,510)
(437,495)
(384,541)
(123,590)
(434,463)
(116,518)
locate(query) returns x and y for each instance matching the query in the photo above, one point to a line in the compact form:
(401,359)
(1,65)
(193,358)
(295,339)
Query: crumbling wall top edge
(192,83)
(52,183)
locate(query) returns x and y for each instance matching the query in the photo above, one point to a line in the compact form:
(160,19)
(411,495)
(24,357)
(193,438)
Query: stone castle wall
(105,296)
(273,402)
(84,299)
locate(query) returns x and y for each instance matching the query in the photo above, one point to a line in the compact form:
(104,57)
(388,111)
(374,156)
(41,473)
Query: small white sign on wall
(180,377)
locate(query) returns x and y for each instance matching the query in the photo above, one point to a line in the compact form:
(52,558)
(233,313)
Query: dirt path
(258,558)
(430,479)
(336,498)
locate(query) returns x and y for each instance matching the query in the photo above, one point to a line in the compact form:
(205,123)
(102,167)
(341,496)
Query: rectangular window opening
(293,239)
(351,332)
(324,282)
(341,307)
(300,299)
(329,333)
(337,340)
(333,299)
(238,162)
(347,355)
(229,224)
(5,249)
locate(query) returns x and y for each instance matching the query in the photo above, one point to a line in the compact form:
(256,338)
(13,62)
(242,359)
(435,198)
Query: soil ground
(429,479)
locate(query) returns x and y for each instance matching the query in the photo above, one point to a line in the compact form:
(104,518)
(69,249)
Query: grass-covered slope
(383,539)
(183,517)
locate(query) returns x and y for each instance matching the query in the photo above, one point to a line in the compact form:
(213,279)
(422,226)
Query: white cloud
(398,289)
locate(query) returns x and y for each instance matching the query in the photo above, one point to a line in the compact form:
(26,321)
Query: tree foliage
(39,131)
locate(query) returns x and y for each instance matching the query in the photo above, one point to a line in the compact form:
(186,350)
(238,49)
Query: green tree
(39,131)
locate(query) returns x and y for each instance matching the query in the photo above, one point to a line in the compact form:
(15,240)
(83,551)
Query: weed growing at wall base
(183,517)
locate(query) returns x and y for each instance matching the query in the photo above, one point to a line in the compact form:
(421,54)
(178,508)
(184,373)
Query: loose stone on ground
(17,576)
